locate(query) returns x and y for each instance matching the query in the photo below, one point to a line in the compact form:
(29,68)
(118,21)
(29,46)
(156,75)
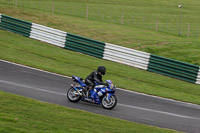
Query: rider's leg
(85,91)
(90,87)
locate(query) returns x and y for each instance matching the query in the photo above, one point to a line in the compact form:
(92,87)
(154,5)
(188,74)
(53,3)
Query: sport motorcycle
(101,94)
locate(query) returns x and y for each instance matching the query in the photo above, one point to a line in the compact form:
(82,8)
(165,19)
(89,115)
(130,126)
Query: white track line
(34,68)
(29,87)
(179,102)
(123,105)
(160,112)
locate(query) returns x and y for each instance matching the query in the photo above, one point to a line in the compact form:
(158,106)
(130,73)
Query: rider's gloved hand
(106,84)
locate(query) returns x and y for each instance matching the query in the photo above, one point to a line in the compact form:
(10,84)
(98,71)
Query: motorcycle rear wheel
(73,95)
(109,104)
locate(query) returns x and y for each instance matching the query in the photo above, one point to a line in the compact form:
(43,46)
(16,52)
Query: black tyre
(73,95)
(109,104)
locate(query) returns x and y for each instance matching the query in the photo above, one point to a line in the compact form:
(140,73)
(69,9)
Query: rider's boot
(84,91)
(88,92)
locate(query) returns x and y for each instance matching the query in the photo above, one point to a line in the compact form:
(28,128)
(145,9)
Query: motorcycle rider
(95,76)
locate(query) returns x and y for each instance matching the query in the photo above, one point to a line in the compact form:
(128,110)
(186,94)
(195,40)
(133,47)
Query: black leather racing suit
(90,80)
(94,76)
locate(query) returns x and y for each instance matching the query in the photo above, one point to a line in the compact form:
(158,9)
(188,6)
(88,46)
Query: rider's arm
(96,78)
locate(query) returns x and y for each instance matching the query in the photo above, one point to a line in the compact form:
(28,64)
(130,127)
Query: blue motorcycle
(101,94)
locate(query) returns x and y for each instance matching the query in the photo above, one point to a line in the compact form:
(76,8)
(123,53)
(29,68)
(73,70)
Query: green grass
(24,115)
(185,52)
(137,13)
(141,34)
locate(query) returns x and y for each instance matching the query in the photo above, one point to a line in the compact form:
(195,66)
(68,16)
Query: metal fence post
(16,3)
(188,33)
(122,18)
(86,16)
(197,34)
(52,6)
(156,25)
(180,22)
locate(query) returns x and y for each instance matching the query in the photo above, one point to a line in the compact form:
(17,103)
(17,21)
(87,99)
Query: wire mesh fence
(178,21)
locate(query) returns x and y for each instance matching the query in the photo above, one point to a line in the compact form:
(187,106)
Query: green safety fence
(15,25)
(84,45)
(173,68)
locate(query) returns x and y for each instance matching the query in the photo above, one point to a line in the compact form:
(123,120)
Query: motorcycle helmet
(102,70)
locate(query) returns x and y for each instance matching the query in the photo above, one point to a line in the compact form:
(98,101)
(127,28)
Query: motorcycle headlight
(112,87)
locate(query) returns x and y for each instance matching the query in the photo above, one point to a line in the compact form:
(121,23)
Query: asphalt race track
(131,106)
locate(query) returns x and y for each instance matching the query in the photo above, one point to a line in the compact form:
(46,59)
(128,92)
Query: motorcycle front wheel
(109,104)
(73,95)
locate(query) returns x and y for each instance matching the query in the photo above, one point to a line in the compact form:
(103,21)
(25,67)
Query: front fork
(108,96)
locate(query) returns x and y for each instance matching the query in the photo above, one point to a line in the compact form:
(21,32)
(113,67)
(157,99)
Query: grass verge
(24,115)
